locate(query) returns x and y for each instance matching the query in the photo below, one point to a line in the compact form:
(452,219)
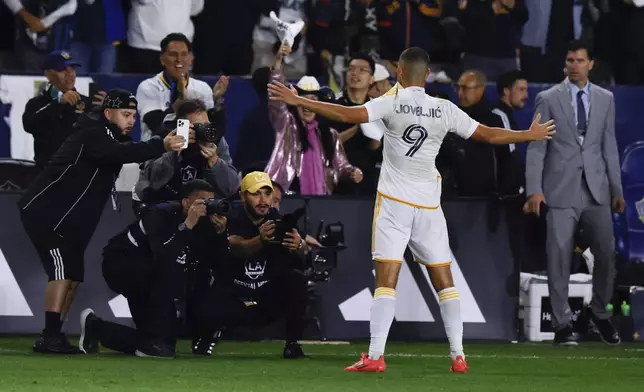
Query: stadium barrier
(484,273)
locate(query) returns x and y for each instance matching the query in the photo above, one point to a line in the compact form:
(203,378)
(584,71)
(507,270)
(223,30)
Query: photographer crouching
(259,283)
(161,179)
(157,263)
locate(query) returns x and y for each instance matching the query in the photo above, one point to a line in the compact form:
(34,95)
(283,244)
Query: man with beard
(158,94)
(512,88)
(260,283)
(161,179)
(156,263)
(362,151)
(62,208)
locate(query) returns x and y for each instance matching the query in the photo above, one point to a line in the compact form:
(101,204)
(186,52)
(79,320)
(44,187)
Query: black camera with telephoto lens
(207,133)
(219,207)
(284,223)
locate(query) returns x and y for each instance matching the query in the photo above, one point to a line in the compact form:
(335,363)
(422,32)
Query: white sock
(383,309)
(450,304)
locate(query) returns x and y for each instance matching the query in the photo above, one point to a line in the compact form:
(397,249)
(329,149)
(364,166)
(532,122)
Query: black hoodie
(68,197)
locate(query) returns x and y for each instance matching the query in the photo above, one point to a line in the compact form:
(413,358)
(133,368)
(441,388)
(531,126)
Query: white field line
(405,355)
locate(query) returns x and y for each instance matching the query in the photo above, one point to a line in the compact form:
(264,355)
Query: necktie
(581,114)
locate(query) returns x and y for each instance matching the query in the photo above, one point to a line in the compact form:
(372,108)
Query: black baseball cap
(59,60)
(120,99)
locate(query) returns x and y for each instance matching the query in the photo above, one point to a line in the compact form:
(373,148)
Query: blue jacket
(114,20)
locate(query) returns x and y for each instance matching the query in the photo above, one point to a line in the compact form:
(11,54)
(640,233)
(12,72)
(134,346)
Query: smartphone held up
(183,129)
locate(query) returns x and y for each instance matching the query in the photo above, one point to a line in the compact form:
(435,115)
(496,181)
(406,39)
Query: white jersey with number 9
(416,125)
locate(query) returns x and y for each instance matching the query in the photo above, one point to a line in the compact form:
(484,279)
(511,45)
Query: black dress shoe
(566,337)
(606,330)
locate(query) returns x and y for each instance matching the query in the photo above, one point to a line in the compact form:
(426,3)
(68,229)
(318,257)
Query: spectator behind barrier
(493,29)
(162,179)
(41,27)
(99,26)
(381,83)
(476,173)
(308,157)
(158,94)
(148,22)
(512,88)
(49,117)
(361,142)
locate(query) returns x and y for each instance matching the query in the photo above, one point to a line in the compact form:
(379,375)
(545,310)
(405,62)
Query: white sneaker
(286,31)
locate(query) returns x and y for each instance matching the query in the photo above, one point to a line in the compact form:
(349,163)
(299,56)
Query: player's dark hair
(415,63)
(415,55)
(175,37)
(577,44)
(189,106)
(365,57)
(193,186)
(507,80)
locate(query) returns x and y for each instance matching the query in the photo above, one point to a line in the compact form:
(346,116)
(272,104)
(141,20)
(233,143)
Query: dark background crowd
(493,36)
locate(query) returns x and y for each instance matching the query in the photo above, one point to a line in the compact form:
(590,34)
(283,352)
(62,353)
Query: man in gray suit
(577,176)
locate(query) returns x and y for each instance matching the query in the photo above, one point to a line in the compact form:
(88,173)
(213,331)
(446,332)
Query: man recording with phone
(158,263)
(62,208)
(161,179)
(260,282)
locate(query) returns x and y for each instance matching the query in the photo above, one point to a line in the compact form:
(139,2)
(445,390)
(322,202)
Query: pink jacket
(285,161)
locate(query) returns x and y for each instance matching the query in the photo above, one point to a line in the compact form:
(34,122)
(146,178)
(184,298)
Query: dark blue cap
(59,60)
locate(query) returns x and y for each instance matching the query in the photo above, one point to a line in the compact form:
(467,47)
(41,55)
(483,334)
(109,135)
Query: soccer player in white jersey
(407,210)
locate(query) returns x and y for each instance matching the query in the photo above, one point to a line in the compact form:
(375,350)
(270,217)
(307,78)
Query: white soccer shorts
(397,224)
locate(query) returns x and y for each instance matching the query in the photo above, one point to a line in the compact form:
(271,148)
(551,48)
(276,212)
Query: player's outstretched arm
(537,131)
(351,115)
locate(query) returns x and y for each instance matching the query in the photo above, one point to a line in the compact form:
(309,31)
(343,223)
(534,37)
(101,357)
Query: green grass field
(254,367)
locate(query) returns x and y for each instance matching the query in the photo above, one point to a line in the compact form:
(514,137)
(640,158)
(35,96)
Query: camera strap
(114,196)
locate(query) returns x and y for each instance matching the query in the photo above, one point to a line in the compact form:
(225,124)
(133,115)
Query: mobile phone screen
(93,89)
(183,129)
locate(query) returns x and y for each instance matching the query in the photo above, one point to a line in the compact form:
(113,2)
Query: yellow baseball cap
(255,181)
